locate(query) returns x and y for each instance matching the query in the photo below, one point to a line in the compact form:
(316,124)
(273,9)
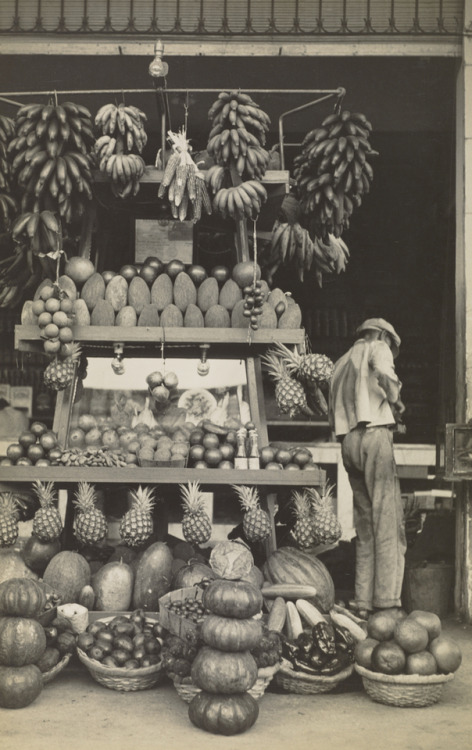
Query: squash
(192,573)
(232,598)
(21,597)
(218,672)
(153,577)
(113,586)
(22,641)
(19,686)
(67,573)
(231,634)
(290,565)
(37,554)
(223,714)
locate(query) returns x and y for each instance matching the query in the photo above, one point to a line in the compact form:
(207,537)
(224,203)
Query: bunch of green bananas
(333,171)
(123,139)
(240,201)
(238,134)
(51,160)
(8,205)
(183,182)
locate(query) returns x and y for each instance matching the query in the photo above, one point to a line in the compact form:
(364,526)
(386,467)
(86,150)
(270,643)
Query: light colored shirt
(363,386)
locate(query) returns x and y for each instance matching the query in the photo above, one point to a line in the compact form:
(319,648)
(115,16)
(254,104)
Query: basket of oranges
(406,659)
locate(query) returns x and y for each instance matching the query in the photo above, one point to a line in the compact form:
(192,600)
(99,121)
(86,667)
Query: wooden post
(463,586)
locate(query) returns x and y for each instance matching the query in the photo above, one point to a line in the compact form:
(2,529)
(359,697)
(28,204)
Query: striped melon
(290,565)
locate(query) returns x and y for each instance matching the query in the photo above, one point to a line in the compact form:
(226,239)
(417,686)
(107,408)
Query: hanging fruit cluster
(236,143)
(51,160)
(315,521)
(122,135)
(333,172)
(8,205)
(183,182)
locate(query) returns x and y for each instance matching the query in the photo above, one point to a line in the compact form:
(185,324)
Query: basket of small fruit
(181,611)
(405,659)
(123,652)
(60,645)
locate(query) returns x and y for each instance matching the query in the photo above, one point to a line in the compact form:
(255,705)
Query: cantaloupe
(126,317)
(67,573)
(149,316)
(162,293)
(185,292)
(116,292)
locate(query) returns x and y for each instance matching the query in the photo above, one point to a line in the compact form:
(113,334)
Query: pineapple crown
(323,498)
(9,504)
(301,502)
(143,499)
(275,366)
(44,493)
(248,496)
(192,499)
(75,352)
(85,497)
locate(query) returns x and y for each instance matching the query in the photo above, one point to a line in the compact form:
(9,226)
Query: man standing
(364,405)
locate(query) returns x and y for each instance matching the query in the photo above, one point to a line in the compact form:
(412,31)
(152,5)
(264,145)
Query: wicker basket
(405,690)
(305,684)
(119,678)
(173,622)
(52,673)
(187,689)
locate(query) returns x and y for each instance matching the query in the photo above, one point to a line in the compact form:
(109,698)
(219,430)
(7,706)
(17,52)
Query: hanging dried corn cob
(184,183)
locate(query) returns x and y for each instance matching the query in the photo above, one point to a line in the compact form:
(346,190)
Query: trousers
(368,458)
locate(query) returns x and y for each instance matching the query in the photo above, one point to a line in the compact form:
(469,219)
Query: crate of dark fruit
(123,652)
(182,611)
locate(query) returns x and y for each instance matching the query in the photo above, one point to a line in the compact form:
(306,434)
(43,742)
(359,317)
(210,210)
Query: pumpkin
(220,672)
(290,565)
(232,598)
(192,573)
(231,634)
(21,597)
(67,573)
(37,554)
(153,577)
(22,641)
(19,686)
(223,714)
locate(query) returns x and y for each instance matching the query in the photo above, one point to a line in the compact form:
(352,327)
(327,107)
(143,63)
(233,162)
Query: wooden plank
(153,336)
(154,175)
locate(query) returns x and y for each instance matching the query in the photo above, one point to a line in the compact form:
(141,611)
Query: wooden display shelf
(27,336)
(154,175)
(155,475)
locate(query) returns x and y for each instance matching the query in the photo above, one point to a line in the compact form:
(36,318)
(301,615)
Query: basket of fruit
(406,659)
(181,611)
(50,674)
(123,652)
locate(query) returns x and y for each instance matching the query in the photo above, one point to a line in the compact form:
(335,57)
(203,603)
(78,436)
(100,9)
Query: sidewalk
(75,713)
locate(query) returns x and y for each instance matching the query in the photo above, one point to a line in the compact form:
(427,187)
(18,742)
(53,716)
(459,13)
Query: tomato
(213,456)
(38,428)
(174,267)
(35,452)
(128,271)
(210,440)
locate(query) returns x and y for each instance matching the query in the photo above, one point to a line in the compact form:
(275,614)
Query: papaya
(230,293)
(153,577)
(193,317)
(81,313)
(113,586)
(149,316)
(217,317)
(116,292)
(171,317)
(276,296)
(93,290)
(238,320)
(139,294)
(103,314)
(185,292)
(67,285)
(162,293)
(268,319)
(126,317)
(292,317)
(208,294)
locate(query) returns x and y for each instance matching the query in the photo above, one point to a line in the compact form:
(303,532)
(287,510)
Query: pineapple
(47,522)
(310,369)
(303,531)
(196,524)
(289,393)
(136,525)
(59,373)
(326,527)
(90,524)
(8,519)
(256,522)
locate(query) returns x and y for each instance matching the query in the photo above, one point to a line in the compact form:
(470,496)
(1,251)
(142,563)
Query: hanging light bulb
(158,68)
(117,362)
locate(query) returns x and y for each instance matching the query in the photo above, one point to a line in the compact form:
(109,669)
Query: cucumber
(289,590)
(277,615)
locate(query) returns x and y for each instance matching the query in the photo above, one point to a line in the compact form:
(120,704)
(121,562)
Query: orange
(447,653)
(35,452)
(38,306)
(51,346)
(76,438)
(423,662)
(15,451)
(410,635)
(79,269)
(48,440)
(93,437)
(52,305)
(27,438)
(381,625)
(87,422)
(389,658)
(363,652)
(428,620)
(38,428)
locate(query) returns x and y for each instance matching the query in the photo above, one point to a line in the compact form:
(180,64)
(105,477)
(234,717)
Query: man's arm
(381,362)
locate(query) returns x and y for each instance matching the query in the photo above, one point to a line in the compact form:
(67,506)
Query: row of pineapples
(299,378)
(315,521)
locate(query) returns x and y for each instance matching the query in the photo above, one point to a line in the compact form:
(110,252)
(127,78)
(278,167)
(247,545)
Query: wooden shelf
(154,175)
(27,335)
(154,475)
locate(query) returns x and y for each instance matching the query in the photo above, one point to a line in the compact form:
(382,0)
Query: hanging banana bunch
(236,143)
(333,172)
(122,135)
(183,182)
(51,160)
(8,205)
